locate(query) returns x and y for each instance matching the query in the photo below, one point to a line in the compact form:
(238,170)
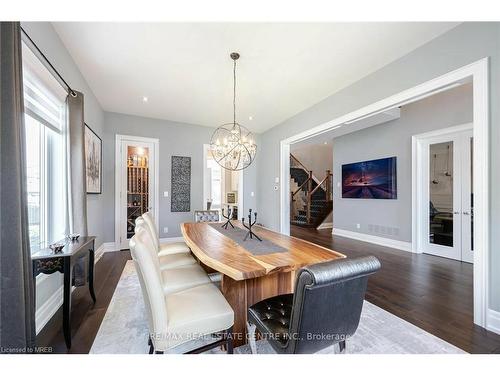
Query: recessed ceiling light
(145,99)
(326,142)
(250,118)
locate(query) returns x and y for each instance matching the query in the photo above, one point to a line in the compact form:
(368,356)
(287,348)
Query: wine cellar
(137,185)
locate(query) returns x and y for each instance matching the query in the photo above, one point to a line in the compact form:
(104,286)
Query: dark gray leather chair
(324,310)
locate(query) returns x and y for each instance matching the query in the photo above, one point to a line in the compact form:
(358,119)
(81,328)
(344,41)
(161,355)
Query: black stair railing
(325,184)
(314,195)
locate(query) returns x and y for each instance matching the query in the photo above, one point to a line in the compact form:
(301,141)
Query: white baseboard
(325,226)
(47,310)
(106,247)
(382,241)
(171,239)
(493,321)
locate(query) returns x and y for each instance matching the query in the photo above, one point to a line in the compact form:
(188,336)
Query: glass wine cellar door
(448,191)
(137,182)
(137,185)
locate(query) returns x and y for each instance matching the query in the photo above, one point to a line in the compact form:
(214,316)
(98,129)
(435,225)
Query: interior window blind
(44,96)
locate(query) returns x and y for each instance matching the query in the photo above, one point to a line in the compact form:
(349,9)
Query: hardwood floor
(431,292)
(86,317)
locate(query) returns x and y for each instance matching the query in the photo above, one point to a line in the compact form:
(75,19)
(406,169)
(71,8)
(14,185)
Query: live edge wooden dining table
(247,278)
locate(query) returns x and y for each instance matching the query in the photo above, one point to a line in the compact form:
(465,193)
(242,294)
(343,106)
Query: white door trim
(206,147)
(118,178)
(478,71)
(419,141)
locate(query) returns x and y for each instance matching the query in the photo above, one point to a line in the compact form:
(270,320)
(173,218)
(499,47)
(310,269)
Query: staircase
(310,199)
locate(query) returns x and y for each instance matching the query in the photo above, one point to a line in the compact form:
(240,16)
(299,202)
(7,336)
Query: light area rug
(124,329)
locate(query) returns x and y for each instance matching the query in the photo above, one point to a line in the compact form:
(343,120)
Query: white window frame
(39,81)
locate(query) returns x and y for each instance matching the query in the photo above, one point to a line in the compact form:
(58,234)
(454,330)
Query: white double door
(446,190)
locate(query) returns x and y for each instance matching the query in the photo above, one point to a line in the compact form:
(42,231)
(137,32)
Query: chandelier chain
(234,92)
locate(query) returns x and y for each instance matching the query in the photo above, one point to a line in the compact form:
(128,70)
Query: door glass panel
(441,194)
(137,185)
(471,194)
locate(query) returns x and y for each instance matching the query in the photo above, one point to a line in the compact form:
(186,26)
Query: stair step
(300,224)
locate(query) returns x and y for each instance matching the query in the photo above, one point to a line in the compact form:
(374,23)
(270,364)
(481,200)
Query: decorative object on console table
(250,225)
(56,247)
(228,218)
(93,161)
(181,184)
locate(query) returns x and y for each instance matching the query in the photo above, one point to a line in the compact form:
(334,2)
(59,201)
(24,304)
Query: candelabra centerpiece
(228,218)
(250,233)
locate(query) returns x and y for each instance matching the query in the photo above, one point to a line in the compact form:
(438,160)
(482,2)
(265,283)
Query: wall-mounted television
(372,179)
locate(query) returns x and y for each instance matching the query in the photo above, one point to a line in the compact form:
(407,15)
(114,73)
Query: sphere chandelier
(232,145)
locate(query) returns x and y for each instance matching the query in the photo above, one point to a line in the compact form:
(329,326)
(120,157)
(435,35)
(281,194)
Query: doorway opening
(222,188)
(311,193)
(136,184)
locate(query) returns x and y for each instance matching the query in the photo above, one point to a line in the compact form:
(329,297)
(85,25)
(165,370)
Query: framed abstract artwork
(93,161)
(372,179)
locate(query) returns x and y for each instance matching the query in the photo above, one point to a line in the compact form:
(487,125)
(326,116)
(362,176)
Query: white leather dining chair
(173,279)
(168,261)
(180,316)
(164,248)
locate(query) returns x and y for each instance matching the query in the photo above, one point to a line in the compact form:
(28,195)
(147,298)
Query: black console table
(47,262)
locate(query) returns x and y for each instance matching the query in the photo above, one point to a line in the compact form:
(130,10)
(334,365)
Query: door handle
(465,213)
(456,213)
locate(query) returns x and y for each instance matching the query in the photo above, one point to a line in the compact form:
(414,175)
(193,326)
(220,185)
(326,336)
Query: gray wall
(315,157)
(460,46)
(177,139)
(393,217)
(48,41)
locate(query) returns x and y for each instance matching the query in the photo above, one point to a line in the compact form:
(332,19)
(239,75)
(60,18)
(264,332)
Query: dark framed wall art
(93,161)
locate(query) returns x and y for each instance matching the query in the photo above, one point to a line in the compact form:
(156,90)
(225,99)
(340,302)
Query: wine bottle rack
(137,195)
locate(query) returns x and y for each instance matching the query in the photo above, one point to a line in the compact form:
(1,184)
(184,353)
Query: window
(45,165)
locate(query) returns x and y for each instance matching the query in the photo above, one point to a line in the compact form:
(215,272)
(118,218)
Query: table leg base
(241,294)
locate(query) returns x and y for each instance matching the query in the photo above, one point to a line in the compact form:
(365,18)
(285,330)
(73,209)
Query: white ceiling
(185,71)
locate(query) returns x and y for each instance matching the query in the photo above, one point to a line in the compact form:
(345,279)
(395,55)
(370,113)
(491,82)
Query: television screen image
(372,179)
